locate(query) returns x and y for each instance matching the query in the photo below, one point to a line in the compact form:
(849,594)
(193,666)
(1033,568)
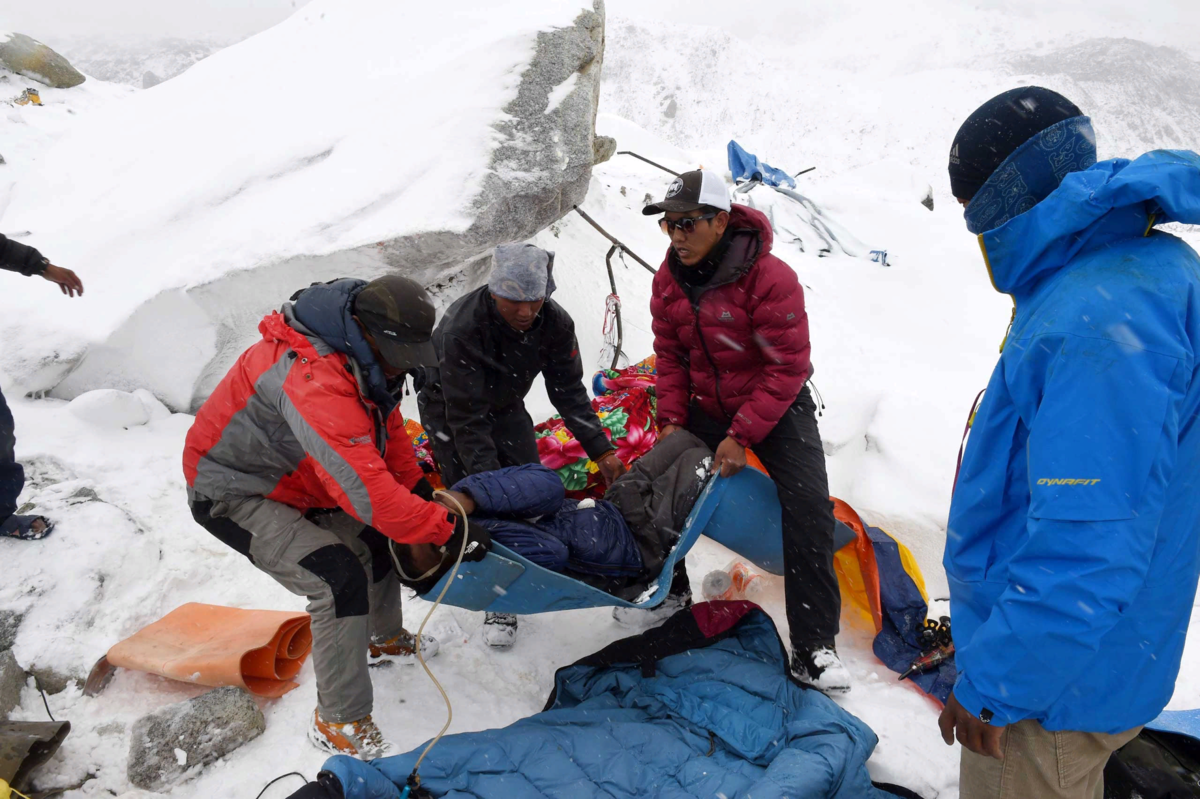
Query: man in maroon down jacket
(731,339)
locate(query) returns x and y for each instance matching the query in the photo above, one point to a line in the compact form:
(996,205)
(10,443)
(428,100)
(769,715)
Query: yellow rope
(449,581)
(7,791)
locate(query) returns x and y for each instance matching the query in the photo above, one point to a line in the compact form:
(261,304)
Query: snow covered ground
(900,352)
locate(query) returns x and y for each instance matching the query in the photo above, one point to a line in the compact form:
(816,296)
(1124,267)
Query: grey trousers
(342,566)
(1040,764)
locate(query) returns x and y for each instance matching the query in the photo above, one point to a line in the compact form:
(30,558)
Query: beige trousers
(1039,764)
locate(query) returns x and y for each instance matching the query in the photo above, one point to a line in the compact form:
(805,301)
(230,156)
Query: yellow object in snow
(26,97)
(7,791)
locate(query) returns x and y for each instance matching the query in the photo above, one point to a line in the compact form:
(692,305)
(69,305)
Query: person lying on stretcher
(617,544)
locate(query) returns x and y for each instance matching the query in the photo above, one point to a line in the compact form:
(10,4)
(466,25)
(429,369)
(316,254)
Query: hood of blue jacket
(1112,201)
(327,310)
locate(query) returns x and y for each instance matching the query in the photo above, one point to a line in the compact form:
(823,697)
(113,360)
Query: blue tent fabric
(746,166)
(707,712)
(1183,722)
(904,611)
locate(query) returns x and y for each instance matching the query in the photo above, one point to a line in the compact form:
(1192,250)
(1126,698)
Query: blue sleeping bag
(701,706)
(524,508)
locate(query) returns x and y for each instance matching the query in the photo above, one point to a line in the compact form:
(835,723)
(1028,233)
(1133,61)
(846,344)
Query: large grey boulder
(29,57)
(418,164)
(12,680)
(10,622)
(173,743)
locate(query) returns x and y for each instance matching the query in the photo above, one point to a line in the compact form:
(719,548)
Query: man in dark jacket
(731,340)
(491,344)
(1072,551)
(299,460)
(17,257)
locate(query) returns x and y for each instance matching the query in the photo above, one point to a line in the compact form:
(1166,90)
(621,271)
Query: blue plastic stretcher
(741,512)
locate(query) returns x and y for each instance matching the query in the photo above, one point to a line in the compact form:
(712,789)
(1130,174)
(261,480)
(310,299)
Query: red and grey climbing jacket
(302,423)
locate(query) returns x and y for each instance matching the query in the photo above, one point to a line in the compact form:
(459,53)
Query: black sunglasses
(687,224)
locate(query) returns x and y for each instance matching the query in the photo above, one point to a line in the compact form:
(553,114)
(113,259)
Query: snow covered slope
(128,60)
(346,140)
(27,131)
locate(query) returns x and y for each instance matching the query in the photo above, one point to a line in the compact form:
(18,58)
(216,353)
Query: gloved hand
(479,541)
(423,490)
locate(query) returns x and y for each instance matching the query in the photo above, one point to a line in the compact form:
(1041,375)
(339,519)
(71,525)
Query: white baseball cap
(691,191)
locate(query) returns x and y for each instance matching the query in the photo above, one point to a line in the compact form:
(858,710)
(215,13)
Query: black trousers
(12,476)
(793,456)
(512,435)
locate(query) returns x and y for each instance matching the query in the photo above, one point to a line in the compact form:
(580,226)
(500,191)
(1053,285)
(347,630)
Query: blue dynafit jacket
(1073,545)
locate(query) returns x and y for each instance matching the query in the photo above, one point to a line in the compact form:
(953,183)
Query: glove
(423,490)
(479,541)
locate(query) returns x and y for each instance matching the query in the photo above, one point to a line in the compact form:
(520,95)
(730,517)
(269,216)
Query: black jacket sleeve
(18,257)
(464,388)
(563,370)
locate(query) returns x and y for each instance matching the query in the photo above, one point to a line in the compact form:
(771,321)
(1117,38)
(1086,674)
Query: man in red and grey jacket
(299,460)
(731,340)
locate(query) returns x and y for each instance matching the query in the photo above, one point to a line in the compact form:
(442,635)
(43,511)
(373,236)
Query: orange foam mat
(259,650)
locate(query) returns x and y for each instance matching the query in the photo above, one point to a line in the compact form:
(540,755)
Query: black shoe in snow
(26,528)
(821,668)
(500,630)
(649,617)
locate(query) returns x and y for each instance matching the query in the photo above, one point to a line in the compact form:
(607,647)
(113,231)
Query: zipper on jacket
(711,362)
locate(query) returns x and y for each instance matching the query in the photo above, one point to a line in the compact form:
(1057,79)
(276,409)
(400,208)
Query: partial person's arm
(673,384)
(781,332)
(327,416)
(18,257)
(563,371)
(1102,447)
(464,387)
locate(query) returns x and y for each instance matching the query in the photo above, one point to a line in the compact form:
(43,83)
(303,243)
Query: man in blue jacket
(1072,548)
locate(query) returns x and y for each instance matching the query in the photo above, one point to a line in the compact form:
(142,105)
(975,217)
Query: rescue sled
(741,512)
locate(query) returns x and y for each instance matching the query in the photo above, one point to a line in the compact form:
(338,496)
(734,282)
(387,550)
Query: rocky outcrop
(29,57)
(150,80)
(316,179)
(173,743)
(12,680)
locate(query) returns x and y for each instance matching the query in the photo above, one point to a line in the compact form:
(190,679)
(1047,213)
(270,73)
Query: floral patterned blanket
(626,404)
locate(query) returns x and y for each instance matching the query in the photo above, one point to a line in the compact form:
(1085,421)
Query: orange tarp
(858,574)
(259,650)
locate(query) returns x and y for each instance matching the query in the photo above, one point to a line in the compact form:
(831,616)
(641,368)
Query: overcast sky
(1164,22)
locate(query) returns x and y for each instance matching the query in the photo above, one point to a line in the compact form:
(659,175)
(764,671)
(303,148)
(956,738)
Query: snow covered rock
(34,60)
(172,743)
(12,680)
(187,227)
(108,407)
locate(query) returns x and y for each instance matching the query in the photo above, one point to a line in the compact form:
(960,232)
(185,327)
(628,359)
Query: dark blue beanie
(997,129)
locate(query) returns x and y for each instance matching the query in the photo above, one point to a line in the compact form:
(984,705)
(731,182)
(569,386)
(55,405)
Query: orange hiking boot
(401,649)
(361,739)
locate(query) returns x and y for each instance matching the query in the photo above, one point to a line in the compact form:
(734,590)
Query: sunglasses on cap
(687,224)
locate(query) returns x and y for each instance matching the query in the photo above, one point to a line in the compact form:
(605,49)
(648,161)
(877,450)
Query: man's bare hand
(668,430)
(65,279)
(973,734)
(730,458)
(610,468)
(468,504)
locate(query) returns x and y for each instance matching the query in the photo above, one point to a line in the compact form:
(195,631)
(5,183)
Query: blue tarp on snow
(746,166)
(710,711)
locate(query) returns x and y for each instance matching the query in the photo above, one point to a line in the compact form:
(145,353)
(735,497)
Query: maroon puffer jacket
(739,343)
